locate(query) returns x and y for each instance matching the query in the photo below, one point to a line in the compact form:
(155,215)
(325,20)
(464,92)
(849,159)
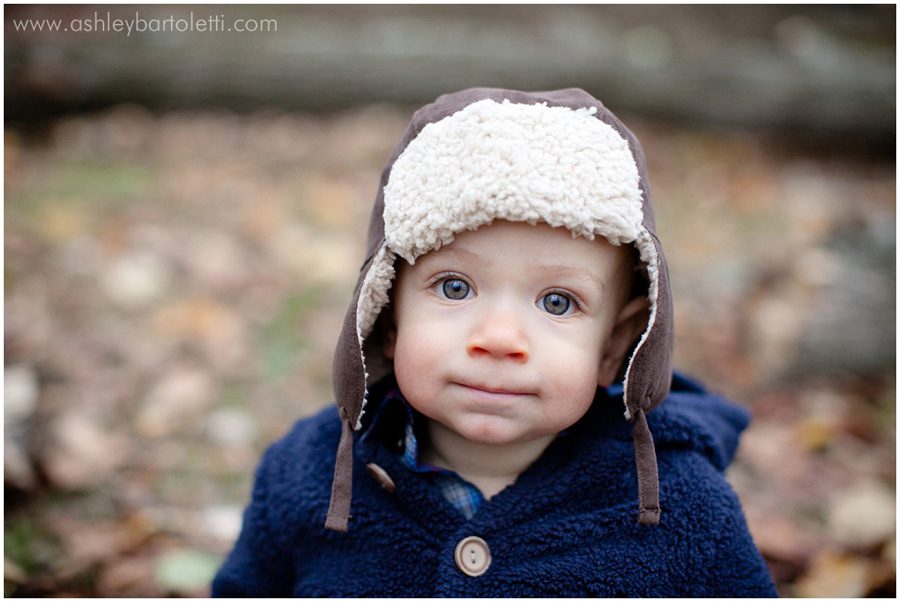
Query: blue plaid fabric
(463,495)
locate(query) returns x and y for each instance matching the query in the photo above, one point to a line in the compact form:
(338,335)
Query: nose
(500,335)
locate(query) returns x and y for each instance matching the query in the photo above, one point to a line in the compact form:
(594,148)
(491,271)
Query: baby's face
(501,334)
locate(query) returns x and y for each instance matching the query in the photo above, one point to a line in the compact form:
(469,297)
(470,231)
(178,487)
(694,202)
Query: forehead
(538,242)
(524,245)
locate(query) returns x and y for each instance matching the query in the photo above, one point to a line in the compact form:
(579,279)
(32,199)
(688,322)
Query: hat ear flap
(628,326)
(649,374)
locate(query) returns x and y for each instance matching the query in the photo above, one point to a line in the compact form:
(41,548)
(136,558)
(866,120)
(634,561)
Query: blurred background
(185,218)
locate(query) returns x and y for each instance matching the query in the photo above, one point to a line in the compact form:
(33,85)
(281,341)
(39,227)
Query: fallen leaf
(223,522)
(177,398)
(232,426)
(863,515)
(330,203)
(186,571)
(781,537)
(61,219)
(80,452)
(13,572)
(815,433)
(136,280)
(17,468)
(835,575)
(217,328)
(20,392)
(129,577)
(216,260)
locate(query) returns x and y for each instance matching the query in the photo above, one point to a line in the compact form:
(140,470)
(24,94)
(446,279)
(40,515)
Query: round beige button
(473,556)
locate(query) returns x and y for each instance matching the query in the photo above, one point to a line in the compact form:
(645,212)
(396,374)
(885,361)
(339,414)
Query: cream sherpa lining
(518,162)
(648,255)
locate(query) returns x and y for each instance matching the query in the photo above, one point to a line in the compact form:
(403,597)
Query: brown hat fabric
(432,188)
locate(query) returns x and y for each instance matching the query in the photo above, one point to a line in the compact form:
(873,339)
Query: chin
(489,433)
(489,439)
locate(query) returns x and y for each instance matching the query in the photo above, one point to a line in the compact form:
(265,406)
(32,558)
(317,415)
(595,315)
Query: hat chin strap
(647,470)
(342,486)
(644,454)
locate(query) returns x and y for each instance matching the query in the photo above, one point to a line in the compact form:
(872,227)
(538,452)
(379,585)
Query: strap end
(338,517)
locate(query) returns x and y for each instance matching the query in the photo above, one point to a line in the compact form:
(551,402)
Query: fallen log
(828,70)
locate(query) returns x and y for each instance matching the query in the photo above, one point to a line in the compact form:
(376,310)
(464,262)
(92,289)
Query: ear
(630,323)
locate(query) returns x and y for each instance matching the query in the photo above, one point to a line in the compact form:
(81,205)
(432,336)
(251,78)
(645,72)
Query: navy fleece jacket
(567,526)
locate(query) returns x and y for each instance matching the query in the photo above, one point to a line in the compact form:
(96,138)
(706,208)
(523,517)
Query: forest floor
(175,284)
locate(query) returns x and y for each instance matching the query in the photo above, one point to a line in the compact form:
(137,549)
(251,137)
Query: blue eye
(556,303)
(455,289)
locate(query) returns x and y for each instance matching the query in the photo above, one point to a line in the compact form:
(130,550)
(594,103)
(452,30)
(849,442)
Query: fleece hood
(482,154)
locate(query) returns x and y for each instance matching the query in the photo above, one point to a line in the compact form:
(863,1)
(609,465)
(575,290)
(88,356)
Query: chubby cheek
(407,368)
(577,379)
(418,356)
(570,384)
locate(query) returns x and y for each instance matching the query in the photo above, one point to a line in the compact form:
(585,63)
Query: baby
(509,334)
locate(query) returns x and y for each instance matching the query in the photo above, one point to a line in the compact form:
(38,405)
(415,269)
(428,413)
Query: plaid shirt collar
(461,494)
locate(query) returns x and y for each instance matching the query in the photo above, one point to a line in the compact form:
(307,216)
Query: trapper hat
(482,154)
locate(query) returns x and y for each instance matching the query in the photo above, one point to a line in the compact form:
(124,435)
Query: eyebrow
(549,269)
(455,251)
(568,270)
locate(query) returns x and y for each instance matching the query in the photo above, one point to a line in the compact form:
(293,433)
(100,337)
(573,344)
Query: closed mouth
(492,390)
